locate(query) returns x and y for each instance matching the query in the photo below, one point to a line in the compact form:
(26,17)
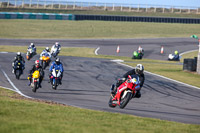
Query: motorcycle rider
(57,46)
(18,57)
(138,70)
(32,46)
(35,67)
(46,50)
(56,64)
(176,54)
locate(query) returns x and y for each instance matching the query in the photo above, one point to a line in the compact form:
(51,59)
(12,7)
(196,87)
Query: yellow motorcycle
(35,80)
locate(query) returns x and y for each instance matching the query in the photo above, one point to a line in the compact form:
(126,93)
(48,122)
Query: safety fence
(50,16)
(74,5)
(54,16)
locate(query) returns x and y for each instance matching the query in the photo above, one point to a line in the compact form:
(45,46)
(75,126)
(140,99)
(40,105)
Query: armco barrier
(138,19)
(49,16)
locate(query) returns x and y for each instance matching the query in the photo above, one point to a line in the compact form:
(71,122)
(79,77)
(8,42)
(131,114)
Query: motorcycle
(18,71)
(30,53)
(55,78)
(125,92)
(35,80)
(54,51)
(173,57)
(137,55)
(45,60)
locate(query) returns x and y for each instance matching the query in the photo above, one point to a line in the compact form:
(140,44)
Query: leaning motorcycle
(45,60)
(18,69)
(125,92)
(173,57)
(55,78)
(137,55)
(30,53)
(35,80)
(54,52)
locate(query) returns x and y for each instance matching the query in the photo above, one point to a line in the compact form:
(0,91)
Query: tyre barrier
(190,64)
(47,16)
(138,19)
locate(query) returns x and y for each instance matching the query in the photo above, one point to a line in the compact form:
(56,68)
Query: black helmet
(57,61)
(139,69)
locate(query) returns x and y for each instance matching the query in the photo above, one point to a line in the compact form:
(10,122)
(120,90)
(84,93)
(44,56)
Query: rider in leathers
(56,64)
(35,67)
(32,46)
(136,71)
(20,58)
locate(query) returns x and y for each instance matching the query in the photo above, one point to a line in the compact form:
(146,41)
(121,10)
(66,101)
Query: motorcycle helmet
(57,61)
(32,45)
(47,49)
(56,43)
(18,53)
(37,63)
(139,69)
(176,52)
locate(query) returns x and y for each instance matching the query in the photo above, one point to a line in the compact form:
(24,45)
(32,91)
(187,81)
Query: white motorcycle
(30,53)
(55,78)
(173,57)
(55,51)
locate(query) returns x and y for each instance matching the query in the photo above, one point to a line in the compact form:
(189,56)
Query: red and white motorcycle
(125,92)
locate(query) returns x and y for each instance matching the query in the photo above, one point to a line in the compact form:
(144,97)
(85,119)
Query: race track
(87,81)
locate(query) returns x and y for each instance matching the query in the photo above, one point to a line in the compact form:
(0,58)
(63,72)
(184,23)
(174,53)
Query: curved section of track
(87,81)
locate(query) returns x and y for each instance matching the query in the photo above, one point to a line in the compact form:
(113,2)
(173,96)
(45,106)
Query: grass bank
(31,116)
(57,29)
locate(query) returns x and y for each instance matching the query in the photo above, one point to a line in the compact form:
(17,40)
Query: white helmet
(18,53)
(47,49)
(56,43)
(139,69)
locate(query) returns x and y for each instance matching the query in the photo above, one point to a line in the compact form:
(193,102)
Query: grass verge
(92,29)
(31,116)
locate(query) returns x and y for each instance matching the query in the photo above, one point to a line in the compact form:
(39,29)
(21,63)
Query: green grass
(92,29)
(92,12)
(20,115)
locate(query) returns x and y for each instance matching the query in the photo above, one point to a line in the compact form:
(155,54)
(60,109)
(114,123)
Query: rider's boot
(112,90)
(13,71)
(138,94)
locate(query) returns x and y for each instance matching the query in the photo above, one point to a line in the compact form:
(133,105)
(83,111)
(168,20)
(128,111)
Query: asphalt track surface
(87,81)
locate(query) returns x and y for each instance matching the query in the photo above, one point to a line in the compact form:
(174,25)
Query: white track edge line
(16,89)
(96,51)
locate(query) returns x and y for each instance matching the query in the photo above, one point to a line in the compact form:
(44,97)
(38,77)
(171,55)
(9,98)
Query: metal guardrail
(73,5)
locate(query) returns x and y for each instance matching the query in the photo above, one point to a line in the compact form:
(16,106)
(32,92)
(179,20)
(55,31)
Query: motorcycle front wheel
(110,103)
(125,100)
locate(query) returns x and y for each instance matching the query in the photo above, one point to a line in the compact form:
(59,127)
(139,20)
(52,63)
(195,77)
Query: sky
(188,3)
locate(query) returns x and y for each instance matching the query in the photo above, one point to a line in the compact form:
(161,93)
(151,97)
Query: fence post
(22,3)
(15,3)
(52,4)
(188,10)
(8,3)
(172,9)
(155,9)
(37,3)
(146,8)
(121,7)
(129,8)
(74,6)
(59,5)
(30,3)
(180,10)
(105,6)
(45,4)
(163,9)
(66,6)
(113,7)
(138,8)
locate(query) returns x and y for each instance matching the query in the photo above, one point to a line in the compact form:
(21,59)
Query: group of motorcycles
(45,60)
